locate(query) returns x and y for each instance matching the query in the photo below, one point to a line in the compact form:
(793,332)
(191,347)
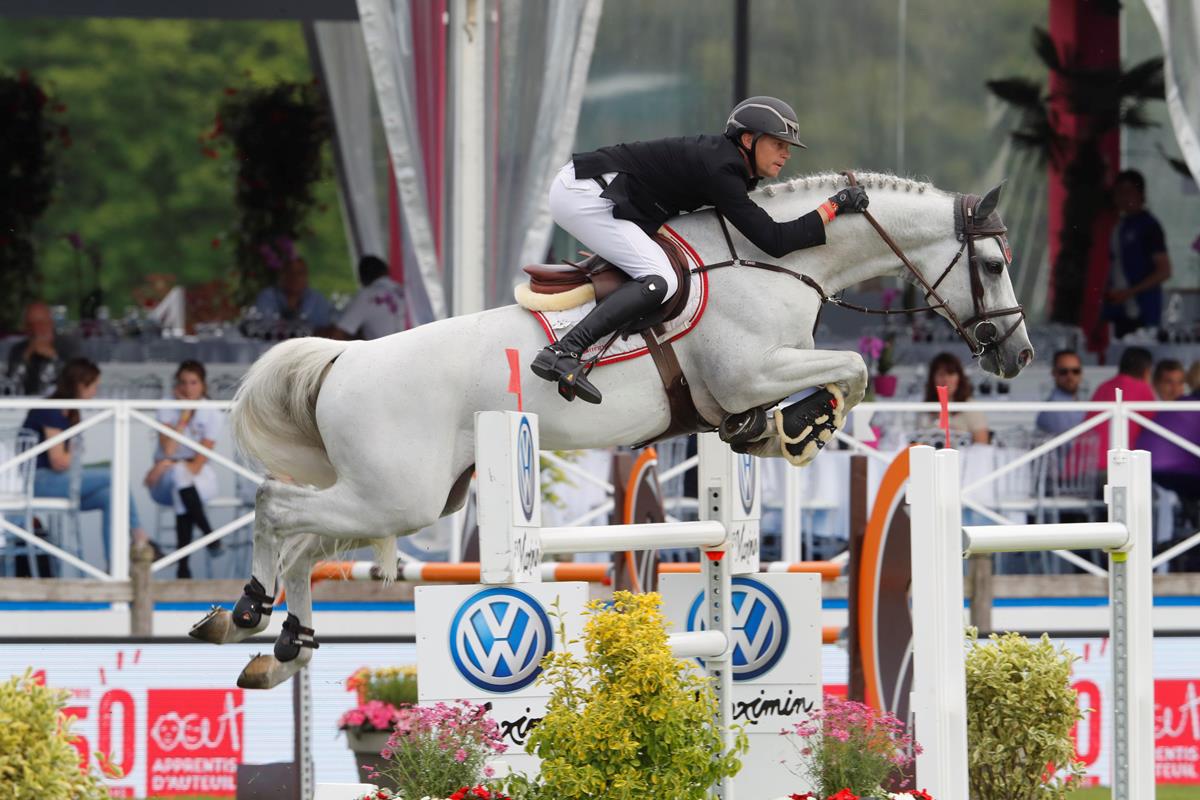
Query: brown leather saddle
(605,278)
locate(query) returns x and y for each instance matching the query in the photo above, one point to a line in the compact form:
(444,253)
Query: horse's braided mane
(835,180)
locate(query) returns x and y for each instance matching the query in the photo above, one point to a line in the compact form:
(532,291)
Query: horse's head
(974,292)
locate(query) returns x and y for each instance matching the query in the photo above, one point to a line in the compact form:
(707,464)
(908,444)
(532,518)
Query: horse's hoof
(218,627)
(266,672)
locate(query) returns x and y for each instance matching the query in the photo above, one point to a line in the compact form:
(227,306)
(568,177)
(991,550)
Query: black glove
(851,200)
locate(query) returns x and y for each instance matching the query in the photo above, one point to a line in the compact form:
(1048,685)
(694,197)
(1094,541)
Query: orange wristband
(828,210)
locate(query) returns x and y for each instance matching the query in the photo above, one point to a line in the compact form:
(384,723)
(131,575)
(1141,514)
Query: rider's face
(770,155)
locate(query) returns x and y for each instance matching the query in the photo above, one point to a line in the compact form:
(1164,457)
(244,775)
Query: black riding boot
(561,360)
(183,537)
(195,509)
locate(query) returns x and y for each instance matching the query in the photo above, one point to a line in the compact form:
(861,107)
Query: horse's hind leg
(295,644)
(252,612)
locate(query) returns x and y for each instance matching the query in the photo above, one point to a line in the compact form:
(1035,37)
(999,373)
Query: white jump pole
(939,544)
(512,540)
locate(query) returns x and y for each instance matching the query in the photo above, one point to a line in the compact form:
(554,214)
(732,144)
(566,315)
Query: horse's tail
(274,410)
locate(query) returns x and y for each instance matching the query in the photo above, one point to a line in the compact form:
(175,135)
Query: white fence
(131,418)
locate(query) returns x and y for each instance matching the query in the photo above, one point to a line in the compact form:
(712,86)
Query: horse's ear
(989,202)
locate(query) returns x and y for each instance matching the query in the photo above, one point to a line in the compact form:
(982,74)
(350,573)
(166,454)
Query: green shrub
(629,721)
(37,759)
(1020,712)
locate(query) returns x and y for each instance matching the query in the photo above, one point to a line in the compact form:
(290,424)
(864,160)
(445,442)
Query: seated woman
(946,370)
(181,477)
(79,380)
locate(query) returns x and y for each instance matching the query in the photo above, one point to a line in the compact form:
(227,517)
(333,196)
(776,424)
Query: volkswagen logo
(526,464)
(746,475)
(498,639)
(760,628)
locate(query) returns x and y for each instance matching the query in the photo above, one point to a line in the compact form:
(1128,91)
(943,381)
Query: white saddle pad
(557,323)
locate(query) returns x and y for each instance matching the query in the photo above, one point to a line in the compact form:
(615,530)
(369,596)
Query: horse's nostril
(1025,357)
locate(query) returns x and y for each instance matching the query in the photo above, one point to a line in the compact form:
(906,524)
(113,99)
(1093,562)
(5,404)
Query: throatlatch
(293,637)
(253,605)
(806,426)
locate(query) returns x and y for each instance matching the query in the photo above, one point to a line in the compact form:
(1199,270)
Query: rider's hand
(851,200)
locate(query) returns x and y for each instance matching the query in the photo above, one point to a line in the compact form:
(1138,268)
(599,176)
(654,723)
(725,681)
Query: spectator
(378,308)
(1169,380)
(293,299)
(79,380)
(1067,370)
(1193,377)
(1140,264)
(35,361)
(1133,379)
(181,477)
(946,370)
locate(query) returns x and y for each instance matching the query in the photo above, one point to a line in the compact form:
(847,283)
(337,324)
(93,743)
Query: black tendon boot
(195,509)
(253,605)
(183,537)
(292,638)
(561,361)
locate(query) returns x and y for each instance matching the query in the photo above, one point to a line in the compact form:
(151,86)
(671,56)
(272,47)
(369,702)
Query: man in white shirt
(378,308)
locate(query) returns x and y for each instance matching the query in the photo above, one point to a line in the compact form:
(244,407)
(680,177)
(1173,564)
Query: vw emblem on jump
(760,628)
(746,474)
(526,464)
(498,639)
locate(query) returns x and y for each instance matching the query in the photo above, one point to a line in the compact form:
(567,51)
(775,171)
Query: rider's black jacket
(659,179)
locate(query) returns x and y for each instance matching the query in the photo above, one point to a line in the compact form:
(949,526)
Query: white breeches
(578,208)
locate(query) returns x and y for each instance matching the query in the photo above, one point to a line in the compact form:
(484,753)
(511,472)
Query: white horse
(367,441)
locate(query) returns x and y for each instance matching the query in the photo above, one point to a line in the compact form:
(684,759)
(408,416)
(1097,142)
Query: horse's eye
(994,267)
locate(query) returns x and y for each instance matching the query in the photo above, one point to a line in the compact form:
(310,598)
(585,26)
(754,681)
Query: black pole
(741,50)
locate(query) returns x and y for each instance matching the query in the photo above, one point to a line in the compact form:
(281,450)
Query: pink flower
(460,755)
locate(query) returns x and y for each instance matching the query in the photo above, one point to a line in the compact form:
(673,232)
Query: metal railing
(123,413)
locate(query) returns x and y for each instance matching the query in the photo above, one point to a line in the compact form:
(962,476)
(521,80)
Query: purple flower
(889,295)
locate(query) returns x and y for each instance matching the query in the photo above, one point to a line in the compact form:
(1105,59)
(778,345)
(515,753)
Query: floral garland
(30,138)
(275,134)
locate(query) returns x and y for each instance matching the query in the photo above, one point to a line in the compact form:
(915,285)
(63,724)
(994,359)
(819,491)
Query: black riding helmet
(762,115)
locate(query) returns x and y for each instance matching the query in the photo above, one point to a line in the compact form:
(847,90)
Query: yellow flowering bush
(628,721)
(37,758)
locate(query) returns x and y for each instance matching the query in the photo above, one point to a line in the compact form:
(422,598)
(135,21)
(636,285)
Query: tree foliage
(136,186)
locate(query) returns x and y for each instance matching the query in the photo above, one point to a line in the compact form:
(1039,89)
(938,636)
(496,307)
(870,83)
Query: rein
(984,332)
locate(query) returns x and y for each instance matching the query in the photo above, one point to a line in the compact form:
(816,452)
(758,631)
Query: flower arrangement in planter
(627,720)
(849,751)
(880,357)
(384,697)
(440,751)
(465,793)
(846,794)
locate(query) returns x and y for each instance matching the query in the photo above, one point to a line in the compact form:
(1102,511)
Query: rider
(615,198)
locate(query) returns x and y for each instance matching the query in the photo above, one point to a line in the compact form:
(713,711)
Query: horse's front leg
(800,430)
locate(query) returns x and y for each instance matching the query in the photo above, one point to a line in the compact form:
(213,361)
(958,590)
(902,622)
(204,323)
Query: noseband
(979,332)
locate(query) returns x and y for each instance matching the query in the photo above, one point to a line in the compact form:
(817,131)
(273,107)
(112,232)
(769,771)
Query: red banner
(193,741)
(1177,731)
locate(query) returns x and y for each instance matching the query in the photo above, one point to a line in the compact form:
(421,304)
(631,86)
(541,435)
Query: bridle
(979,332)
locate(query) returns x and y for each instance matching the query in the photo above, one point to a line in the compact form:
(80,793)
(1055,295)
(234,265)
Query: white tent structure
(479,101)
